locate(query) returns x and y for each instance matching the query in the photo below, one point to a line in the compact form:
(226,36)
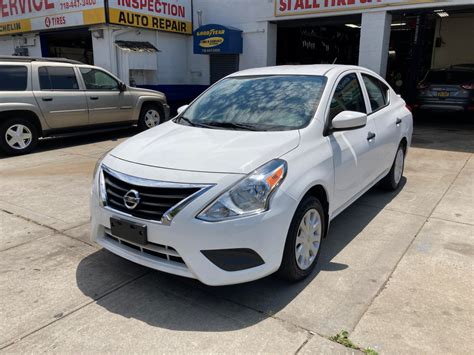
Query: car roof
(11,58)
(312,69)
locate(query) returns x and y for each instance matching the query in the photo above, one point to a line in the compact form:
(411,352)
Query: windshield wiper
(192,123)
(187,120)
(232,125)
(216,124)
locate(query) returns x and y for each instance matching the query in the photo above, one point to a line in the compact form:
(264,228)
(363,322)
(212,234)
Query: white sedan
(245,181)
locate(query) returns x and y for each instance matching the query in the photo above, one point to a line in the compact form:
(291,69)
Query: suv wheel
(18,136)
(151,116)
(303,241)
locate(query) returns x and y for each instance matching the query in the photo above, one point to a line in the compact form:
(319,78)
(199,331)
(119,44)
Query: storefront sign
(19,16)
(170,16)
(306,7)
(212,39)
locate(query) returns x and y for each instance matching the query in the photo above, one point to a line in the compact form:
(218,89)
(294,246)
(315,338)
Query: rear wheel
(151,116)
(303,241)
(18,136)
(394,176)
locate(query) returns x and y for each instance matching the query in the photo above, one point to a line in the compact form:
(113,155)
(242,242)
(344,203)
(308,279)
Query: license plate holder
(443,93)
(129,231)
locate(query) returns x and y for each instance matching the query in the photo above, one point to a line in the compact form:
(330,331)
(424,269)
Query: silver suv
(40,97)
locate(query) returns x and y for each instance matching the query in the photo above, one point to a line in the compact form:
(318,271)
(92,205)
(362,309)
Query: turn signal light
(468,86)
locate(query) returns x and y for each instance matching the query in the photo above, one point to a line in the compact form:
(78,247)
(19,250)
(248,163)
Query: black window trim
(327,128)
(27,76)
(53,66)
(85,84)
(362,73)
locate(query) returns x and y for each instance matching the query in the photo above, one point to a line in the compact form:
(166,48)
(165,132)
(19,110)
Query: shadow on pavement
(176,303)
(448,131)
(73,140)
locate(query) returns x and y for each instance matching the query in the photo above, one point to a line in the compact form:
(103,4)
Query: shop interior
(419,40)
(73,44)
(319,41)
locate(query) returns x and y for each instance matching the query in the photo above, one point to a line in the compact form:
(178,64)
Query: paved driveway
(396,271)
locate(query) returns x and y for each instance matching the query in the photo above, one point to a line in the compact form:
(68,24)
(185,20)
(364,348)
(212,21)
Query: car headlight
(100,180)
(249,196)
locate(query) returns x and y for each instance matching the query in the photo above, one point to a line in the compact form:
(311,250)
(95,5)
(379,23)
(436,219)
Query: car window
(347,97)
(377,91)
(98,80)
(13,77)
(57,78)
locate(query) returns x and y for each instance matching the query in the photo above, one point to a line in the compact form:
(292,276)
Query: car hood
(145,91)
(174,146)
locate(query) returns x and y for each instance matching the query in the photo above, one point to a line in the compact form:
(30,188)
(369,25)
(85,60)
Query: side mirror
(347,120)
(122,86)
(181,109)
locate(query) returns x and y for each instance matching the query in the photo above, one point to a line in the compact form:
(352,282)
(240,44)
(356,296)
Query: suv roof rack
(13,58)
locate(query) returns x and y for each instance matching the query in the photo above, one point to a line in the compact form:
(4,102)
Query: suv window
(378,92)
(57,78)
(347,97)
(13,77)
(98,80)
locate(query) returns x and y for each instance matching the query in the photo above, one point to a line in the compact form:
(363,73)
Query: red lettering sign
(301,7)
(22,7)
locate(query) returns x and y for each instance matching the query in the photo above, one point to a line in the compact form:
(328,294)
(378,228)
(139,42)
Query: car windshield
(263,103)
(450,77)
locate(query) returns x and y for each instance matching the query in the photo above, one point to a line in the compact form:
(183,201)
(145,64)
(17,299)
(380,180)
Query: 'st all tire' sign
(307,7)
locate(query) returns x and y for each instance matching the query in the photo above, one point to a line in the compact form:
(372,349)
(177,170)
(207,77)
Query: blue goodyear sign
(217,39)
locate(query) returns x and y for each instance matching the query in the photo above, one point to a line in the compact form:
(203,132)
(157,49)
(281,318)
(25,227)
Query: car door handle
(47,99)
(370,136)
(399,120)
(94,97)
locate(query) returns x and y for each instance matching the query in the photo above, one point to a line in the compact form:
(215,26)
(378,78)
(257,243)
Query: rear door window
(377,91)
(13,77)
(347,97)
(57,78)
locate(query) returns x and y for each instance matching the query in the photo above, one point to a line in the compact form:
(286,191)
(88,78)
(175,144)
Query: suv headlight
(249,196)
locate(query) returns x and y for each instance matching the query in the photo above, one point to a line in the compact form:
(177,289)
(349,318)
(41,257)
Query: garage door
(223,65)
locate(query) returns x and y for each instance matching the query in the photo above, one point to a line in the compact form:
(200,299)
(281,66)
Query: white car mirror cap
(349,120)
(182,108)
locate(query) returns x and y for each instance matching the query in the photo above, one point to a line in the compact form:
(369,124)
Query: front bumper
(181,247)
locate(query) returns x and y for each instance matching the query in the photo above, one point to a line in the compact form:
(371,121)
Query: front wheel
(18,136)
(151,116)
(303,241)
(394,176)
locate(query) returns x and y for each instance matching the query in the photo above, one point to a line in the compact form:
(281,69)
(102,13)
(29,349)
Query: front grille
(154,201)
(163,252)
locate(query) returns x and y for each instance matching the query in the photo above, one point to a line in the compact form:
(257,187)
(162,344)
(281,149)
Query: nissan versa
(245,181)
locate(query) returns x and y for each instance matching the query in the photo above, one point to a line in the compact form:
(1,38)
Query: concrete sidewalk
(396,272)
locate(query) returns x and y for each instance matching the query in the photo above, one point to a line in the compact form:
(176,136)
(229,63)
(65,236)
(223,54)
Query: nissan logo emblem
(131,199)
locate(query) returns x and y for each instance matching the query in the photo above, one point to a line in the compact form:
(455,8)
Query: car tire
(18,136)
(392,181)
(293,267)
(151,115)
